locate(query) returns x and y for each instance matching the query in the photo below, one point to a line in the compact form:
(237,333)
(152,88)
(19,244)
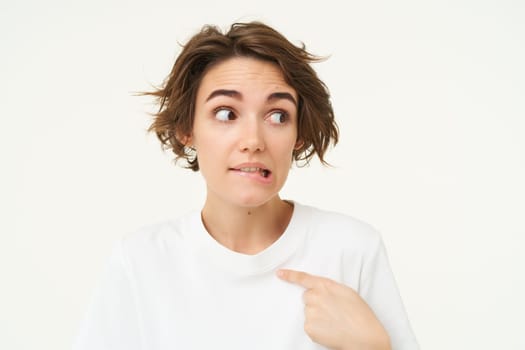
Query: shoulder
(158,237)
(340,229)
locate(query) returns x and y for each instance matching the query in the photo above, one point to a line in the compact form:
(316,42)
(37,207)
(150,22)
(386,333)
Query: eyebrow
(237,95)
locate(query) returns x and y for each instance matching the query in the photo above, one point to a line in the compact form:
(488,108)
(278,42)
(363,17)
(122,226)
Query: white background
(430,101)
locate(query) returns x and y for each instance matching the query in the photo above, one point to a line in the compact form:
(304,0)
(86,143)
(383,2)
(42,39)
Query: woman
(250,270)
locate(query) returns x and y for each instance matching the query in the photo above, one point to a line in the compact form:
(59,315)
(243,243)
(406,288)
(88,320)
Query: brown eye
(278,117)
(224,115)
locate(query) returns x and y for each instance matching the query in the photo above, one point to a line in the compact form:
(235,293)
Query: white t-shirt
(172,286)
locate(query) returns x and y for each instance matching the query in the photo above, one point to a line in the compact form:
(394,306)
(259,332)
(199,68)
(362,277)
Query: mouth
(265,173)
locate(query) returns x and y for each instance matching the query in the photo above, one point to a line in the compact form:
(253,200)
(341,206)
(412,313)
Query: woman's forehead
(246,73)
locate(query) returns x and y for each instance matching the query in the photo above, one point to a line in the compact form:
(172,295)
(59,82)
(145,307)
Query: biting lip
(252,168)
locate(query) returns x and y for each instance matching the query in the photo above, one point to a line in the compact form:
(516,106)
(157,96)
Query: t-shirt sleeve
(378,287)
(111,321)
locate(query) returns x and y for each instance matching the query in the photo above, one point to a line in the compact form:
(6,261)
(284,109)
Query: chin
(253,200)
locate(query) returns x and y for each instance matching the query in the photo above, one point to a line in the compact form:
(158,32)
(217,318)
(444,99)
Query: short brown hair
(174,120)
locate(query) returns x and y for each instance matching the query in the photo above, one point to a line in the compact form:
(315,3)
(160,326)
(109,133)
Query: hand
(336,316)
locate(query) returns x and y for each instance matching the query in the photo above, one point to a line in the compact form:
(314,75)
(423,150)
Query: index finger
(299,277)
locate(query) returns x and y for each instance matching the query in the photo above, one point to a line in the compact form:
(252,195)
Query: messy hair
(316,127)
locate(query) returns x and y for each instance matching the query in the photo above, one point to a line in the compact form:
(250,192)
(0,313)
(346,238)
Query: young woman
(250,270)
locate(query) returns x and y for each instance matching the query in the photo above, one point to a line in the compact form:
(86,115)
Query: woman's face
(244,131)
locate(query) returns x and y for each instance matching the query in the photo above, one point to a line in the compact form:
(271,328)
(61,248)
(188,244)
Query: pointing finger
(299,277)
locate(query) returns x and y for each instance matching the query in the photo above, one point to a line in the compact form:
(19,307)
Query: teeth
(250,170)
(264,172)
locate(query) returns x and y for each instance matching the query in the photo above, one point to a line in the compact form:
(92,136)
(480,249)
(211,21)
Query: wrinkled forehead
(245,73)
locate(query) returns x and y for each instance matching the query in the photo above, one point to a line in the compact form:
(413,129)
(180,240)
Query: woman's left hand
(336,316)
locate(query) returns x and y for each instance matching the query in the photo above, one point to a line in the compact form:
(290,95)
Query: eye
(224,115)
(278,117)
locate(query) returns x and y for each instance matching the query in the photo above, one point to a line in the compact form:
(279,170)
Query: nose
(251,136)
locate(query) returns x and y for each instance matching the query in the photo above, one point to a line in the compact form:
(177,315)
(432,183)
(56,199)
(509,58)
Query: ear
(298,145)
(186,140)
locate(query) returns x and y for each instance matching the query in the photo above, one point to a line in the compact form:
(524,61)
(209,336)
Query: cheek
(211,153)
(284,153)
(207,152)
(205,139)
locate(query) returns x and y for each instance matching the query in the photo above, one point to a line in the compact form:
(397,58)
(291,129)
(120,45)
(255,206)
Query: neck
(247,230)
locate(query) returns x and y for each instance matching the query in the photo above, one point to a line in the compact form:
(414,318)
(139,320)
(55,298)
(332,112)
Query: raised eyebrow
(223,92)
(237,95)
(282,96)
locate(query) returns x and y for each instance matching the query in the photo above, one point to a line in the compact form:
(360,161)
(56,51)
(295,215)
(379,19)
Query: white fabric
(172,286)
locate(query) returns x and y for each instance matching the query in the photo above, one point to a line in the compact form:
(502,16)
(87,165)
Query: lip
(249,165)
(253,175)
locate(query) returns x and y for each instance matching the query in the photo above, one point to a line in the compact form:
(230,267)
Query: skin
(247,114)
(336,316)
(241,212)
